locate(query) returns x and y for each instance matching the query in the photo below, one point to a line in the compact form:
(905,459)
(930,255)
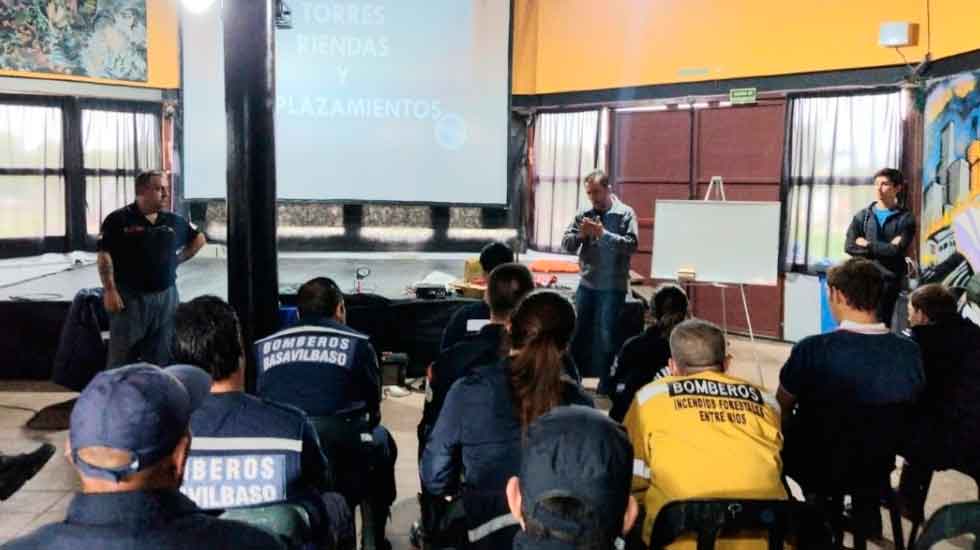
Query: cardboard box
(469,290)
(472,270)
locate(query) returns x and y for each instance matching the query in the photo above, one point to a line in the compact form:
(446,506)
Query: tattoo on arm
(105,271)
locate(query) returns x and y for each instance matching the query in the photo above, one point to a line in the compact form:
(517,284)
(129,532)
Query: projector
(427,291)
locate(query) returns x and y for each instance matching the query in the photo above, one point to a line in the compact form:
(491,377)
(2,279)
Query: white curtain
(117,145)
(835,146)
(565,151)
(32,183)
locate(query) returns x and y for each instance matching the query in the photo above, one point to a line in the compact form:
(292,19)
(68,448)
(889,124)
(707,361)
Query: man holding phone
(605,236)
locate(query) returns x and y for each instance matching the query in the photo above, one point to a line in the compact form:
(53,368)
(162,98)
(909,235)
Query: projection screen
(388,100)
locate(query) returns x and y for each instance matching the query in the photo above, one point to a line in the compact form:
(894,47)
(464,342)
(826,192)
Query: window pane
(148,141)
(103,194)
(115,140)
(32,206)
(108,140)
(30,137)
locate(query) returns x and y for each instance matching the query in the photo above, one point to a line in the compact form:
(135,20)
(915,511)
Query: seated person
(469,319)
(16,470)
(506,285)
(330,371)
(129,438)
(574,488)
(701,433)
(643,358)
(945,428)
(860,366)
(479,431)
(232,429)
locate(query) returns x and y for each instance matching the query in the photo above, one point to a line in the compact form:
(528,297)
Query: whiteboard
(723,241)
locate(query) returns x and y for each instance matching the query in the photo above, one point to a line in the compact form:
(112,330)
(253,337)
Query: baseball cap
(577,453)
(139,408)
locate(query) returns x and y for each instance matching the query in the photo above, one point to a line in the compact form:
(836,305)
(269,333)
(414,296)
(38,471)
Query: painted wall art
(90,38)
(950,243)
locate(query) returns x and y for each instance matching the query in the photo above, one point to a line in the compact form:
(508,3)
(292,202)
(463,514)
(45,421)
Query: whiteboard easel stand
(741,286)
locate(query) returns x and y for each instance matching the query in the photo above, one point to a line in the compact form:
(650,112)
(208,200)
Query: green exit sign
(741,96)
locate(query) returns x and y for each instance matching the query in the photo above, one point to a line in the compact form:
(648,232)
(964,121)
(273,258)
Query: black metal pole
(253,275)
(75,230)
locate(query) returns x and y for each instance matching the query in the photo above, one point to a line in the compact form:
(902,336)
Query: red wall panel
(653,160)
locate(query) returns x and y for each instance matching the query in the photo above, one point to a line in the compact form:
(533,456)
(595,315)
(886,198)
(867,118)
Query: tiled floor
(45,498)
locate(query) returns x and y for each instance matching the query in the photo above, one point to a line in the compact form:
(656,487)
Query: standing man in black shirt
(882,233)
(138,257)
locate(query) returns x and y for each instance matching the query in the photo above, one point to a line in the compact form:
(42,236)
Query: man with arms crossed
(138,256)
(882,233)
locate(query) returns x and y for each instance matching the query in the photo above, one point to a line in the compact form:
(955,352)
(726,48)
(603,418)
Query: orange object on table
(553,266)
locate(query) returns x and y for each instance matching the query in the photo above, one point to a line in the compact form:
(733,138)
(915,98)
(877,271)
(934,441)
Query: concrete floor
(45,498)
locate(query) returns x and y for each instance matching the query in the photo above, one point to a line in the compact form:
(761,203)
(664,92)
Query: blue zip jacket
(478,434)
(322,367)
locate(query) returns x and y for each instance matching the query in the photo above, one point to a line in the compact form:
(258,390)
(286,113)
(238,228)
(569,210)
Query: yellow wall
(163,65)
(571,45)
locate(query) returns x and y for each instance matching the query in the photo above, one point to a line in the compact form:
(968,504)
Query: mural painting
(93,38)
(950,243)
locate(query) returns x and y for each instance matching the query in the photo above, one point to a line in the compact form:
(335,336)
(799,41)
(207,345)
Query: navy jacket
(233,428)
(81,352)
(478,435)
(946,427)
(472,352)
(642,359)
(321,366)
(888,256)
(143,520)
(457,329)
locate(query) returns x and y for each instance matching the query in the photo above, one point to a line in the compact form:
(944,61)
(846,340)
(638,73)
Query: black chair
(443,522)
(833,450)
(290,522)
(351,464)
(951,521)
(918,507)
(712,519)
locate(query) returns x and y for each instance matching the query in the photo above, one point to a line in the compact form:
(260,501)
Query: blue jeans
(144,329)
(597,322)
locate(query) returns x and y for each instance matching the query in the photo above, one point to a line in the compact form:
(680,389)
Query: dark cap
(139,408)
(577,453)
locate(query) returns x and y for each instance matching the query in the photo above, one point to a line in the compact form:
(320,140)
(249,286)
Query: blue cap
(141,409)
(577,453)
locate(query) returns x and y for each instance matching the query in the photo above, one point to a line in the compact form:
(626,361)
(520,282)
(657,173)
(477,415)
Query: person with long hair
(475,446)
(643,358)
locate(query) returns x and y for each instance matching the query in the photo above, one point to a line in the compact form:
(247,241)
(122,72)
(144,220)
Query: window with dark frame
(65,163)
